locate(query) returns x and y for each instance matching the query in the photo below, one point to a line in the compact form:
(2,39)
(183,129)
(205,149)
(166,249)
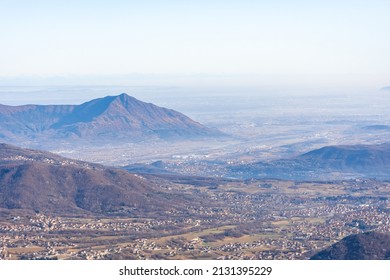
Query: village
(265,220)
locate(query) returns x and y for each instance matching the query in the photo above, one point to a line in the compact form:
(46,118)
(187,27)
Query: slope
(43,182)
(364,246)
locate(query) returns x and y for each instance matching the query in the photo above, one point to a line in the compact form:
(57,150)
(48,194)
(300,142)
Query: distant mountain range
(386,88)
(364,246)
(38,181)
(119,118)
(331,162)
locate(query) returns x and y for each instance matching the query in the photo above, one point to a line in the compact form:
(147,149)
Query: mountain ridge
(39,181)
(354,157)
(119,117)
(326,163)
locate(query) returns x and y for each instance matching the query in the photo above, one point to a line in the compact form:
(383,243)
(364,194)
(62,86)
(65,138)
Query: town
(255,219)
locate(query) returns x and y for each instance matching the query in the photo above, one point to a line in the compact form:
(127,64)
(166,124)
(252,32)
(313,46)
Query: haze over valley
(194,129)
(225,132)
(258,162)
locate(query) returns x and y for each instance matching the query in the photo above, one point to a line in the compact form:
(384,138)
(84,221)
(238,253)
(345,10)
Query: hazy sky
(336,43)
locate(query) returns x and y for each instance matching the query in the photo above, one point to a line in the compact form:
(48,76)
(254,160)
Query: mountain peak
(107,100)
(123,97)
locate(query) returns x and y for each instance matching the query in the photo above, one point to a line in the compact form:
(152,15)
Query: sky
(314,44)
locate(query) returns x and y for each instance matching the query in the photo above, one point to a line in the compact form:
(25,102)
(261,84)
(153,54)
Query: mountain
(327,163)
(357,158)
(119,118)
(43,182)
(385,88)
(364,246)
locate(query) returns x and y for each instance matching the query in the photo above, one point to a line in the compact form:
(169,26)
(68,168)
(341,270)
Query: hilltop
(364,246)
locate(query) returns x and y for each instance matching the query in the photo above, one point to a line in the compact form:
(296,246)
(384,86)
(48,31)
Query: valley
(267,219)
(194,130)
(268,182)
